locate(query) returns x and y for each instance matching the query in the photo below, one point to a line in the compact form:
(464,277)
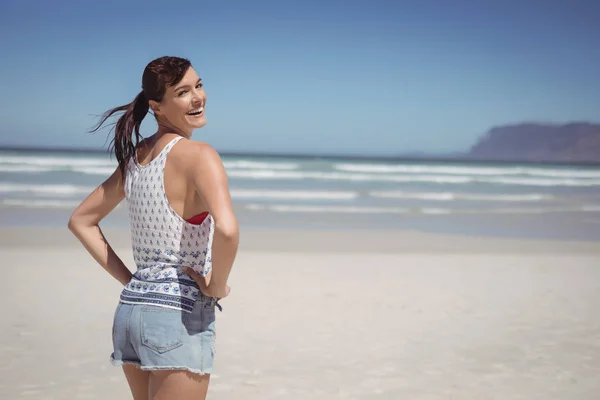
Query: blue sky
(342,77)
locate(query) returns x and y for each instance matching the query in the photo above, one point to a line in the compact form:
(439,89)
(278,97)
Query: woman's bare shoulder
(191,154)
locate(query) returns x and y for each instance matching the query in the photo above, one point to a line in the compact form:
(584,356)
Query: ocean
(42,187)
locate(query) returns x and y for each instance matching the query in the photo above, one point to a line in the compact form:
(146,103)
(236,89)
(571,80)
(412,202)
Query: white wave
(422,169)
(468,170)
(449,179)
(543,182)
(420,196)
(436,211)
(282,208)
(290,208)
(563,173)
(591,208)
(293,194)
(299,175)
(33,203)
(243,164)
(44,190)
(529,210)
(56,161)
(99,166)
(505,197)
(24,168)
(449,196)
(95,170)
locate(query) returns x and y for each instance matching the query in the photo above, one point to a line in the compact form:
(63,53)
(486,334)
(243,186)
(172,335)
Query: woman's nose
(198,94)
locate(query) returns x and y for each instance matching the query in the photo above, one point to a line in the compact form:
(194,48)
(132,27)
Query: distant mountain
(533,142)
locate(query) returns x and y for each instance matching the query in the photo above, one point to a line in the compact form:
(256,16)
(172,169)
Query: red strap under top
(198,219)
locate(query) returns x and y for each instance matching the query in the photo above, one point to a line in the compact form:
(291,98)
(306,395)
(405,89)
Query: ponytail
(122,144)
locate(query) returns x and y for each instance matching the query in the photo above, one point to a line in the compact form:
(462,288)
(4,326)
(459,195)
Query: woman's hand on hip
(206,288)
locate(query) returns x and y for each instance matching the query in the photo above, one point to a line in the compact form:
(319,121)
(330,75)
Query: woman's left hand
(206,288)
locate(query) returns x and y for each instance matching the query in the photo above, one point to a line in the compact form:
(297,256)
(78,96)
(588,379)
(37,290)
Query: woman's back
(162,240)
(184,235)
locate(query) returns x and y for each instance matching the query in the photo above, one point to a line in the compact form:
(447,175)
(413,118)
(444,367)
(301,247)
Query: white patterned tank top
(162,240)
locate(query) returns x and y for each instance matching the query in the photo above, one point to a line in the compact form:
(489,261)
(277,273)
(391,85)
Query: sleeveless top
(162,241)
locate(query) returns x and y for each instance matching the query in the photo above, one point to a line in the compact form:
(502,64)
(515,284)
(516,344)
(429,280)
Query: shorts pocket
(161,329)
(202,317)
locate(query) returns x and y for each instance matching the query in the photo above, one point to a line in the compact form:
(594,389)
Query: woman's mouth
(197,112)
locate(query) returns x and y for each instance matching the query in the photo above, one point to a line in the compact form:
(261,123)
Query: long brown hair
(158,74)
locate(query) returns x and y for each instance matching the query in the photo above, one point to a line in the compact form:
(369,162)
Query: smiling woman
(172,88)
(183,230)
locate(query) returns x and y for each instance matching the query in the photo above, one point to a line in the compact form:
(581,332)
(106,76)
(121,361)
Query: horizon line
(411,156)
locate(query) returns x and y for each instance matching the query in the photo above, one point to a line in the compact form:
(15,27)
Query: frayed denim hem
(119,363)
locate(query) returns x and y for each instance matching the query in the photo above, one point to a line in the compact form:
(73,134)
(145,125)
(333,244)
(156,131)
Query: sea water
(42,187)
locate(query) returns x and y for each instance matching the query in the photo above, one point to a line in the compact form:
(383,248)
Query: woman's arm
(84,225)
(205,170)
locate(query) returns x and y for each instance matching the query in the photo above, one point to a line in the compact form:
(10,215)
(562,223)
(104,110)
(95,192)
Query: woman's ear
(154,106)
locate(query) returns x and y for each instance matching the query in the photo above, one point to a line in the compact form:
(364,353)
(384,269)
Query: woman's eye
(199,85)
(182,93)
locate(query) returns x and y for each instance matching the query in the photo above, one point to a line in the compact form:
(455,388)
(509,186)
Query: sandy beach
(326,315)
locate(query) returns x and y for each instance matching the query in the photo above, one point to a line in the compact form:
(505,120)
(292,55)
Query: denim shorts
(159,338)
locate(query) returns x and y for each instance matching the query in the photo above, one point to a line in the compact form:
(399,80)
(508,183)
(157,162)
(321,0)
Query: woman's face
(182,105)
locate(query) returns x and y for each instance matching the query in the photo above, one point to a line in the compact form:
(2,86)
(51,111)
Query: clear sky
(344,77)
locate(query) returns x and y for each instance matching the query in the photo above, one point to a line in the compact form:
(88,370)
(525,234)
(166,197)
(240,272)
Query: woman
(184,236)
